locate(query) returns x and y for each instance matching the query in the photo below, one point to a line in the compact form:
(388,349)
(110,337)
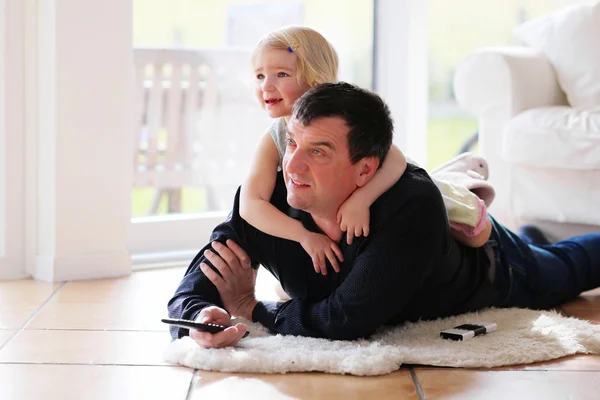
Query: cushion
(554,137)
(558,196)
(569,38)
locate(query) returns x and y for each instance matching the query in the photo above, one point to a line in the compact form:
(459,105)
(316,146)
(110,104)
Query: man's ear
(366,170)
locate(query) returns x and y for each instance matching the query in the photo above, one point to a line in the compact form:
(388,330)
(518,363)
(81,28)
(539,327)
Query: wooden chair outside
(197,123)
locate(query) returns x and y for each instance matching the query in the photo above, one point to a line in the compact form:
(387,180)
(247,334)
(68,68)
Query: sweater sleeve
(392,264)
(196,291)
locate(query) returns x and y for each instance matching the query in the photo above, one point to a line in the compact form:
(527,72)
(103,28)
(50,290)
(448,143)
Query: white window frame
(150,239)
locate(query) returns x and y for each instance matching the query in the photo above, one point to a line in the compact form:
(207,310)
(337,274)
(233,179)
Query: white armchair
(544,156)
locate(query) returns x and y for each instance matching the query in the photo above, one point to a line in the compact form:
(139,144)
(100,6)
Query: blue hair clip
(293,47)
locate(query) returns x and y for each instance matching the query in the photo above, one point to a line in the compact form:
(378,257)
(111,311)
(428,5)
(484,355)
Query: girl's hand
(319,246)
(353,217)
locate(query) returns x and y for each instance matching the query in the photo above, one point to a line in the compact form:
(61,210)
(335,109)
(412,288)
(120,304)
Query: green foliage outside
(446,136)
(193,200)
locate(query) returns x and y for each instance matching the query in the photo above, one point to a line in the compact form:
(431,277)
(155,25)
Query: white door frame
(401,70)
(12,213)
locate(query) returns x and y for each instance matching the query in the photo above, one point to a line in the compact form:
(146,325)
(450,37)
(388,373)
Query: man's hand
(228,337)
(236,283)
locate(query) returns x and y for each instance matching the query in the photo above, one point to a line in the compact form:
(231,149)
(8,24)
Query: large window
(195,164)
(197,122)
(196,119)
(455,29)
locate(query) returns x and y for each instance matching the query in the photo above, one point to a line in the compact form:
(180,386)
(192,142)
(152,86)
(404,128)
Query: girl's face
(276,82)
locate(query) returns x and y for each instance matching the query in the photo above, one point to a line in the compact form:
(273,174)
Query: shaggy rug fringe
(523,337)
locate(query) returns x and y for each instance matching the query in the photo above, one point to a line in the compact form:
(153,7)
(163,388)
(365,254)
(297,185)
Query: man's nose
(296,162)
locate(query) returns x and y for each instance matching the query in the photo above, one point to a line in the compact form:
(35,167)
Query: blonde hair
(317,59)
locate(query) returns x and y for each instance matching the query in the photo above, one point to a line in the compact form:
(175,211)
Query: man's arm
(396,260)
(196,291)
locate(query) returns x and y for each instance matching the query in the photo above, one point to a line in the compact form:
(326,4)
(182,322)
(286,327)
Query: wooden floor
(104,340)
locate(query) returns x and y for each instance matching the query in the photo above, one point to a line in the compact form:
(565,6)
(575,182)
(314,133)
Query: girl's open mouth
(272,102)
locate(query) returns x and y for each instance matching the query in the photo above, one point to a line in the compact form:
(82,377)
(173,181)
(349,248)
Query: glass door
(196,119)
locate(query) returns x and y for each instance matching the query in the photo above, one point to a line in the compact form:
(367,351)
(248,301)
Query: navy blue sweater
(408,268)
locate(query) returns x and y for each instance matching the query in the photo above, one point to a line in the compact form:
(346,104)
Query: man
(410,267)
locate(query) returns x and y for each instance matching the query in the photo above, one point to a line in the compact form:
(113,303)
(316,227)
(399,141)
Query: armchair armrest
(496,84)
(506,80)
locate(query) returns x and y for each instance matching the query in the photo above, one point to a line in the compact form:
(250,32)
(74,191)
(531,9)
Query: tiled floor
(104,340)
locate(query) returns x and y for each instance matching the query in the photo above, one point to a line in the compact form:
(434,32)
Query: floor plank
(92,382)
(86,347)
(491,385)
(309,385)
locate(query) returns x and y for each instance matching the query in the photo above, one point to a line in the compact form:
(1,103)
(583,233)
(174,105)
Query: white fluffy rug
(523,336)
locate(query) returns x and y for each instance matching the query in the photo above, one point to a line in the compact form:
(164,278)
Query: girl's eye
(282,75)
(260,76)
(289,142)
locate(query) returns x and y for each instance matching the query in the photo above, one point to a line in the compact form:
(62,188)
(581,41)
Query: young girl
(286,63)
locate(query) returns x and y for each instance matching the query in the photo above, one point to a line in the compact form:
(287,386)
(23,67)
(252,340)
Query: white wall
(80,119)
(11,140)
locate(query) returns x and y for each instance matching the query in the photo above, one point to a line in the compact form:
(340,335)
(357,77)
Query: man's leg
(565,269)
(543,276)
(532,235)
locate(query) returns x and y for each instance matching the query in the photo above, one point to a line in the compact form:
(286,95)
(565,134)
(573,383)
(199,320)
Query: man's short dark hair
(368,118)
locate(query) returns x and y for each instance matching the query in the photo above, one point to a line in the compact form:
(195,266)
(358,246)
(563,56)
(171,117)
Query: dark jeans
(538,277)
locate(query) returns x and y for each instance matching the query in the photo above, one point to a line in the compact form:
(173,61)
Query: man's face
(316,166)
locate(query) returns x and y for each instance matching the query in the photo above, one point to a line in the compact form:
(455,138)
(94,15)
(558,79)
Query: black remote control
(467,331)
(186,323)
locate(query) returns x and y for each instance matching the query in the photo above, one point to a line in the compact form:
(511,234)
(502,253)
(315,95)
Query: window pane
(197,118)
(457,28)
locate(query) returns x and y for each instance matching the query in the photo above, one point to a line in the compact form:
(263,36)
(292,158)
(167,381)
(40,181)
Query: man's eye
(282,75)
(260,76)
(317,152)
(289,142)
